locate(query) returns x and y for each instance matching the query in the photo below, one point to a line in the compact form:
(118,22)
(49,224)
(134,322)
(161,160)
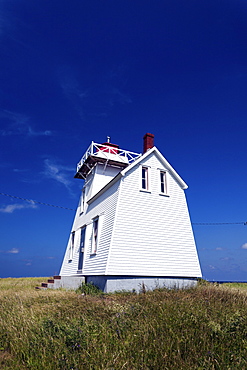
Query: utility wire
(71,209)
(36,202)
(219,223)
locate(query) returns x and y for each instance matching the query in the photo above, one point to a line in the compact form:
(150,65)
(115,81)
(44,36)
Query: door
(81,251)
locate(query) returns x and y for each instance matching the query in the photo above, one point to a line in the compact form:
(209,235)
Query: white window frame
(145,178)
(72,245)
(95,235)
(82,201)
(164,183)
(82,242)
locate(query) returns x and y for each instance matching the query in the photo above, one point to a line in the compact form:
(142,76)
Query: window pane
(81,252)
(72,243)
(144,178)
(95,235)
(82,237)
(82,201)
(163,187)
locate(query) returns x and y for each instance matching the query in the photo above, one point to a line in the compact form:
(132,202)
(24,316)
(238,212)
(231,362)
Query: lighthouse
(132,226)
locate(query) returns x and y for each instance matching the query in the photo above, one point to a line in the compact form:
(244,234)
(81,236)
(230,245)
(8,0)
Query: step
(65,282)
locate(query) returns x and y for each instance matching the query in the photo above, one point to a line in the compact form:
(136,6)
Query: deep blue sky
(76,71)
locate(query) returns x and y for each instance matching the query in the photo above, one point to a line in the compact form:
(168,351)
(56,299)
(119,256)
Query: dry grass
(16,284)
(201,328)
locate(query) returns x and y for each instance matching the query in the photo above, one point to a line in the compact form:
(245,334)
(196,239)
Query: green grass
(200,328)
(236,285)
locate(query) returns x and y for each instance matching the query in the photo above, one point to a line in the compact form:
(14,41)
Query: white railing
(120,155)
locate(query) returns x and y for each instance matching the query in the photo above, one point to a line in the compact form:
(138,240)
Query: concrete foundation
(129,283)
(67,282)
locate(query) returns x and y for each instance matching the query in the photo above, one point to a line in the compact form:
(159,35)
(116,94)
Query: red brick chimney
(148,142)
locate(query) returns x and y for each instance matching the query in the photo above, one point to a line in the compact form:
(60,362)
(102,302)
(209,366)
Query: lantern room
(107,154)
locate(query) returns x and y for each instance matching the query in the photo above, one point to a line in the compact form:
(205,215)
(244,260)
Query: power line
(36,202)
(218,223)
(71,209)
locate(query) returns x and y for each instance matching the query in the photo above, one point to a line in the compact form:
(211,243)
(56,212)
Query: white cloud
(31,132)
(98,99)
(244,246)
(13,250)
(219,249)
(72,91)
(227,259)
(19,171)
(10,208)
(57,172)
(19,125)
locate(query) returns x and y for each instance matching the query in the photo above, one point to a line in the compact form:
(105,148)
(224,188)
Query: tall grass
(199,328)
(17,284)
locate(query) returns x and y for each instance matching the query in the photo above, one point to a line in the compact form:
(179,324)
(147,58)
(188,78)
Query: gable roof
(136,163)
(165,163)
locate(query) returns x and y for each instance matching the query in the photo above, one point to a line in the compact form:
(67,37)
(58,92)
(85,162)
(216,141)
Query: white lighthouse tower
(132,226)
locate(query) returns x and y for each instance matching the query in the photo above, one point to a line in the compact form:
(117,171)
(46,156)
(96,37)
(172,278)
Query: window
(163,182)
(72,245)
(95,235)
(144,183)
(82,201)
(81,250)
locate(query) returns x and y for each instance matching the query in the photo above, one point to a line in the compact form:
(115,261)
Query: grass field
(200,328)
(236,285)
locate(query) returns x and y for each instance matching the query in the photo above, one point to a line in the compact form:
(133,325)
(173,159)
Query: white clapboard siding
(70,261)
(101,175)
(104,207)
(140,233)
(152,232)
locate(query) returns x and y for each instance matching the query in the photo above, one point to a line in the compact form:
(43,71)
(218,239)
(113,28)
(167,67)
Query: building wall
(153,234)
(101,175)
(104,207)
